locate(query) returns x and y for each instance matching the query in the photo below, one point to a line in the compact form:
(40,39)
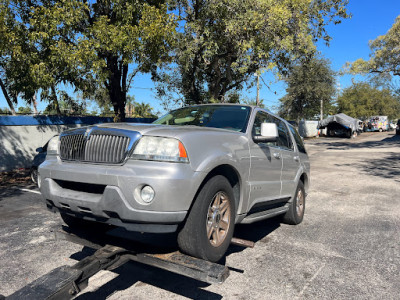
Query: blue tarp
(62,120)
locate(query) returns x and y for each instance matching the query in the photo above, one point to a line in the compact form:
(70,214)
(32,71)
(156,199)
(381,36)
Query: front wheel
(297,207)
(209,227)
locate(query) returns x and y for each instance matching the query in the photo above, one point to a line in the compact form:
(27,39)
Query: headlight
(161,149)
(52,147)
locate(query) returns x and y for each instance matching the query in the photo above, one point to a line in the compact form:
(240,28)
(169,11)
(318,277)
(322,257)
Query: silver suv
(197,170)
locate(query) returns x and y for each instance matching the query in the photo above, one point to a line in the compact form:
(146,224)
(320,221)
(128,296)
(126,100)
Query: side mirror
(269,133)
(39,150)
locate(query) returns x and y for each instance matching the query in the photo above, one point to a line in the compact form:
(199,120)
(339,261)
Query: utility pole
(322,110)
(258,90)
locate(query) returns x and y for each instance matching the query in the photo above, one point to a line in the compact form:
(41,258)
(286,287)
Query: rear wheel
(209,227)
(297,207)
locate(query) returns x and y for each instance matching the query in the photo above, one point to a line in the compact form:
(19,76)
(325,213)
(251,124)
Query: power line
(262,79)
(141,88)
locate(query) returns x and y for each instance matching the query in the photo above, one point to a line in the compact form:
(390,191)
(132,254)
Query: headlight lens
(160,149)
(52,147)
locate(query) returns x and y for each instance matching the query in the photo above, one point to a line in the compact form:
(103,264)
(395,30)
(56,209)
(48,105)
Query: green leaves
(361,100)
(213,46)
(384,57)
(223,42)
(87,44)
(307,84)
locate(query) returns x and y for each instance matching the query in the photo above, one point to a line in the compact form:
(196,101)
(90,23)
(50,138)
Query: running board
(264,215)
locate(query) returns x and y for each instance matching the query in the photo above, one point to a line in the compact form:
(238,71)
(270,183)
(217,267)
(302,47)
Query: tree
(90,44)
(254,102)
(309,82)
(385,56)
(361,100)
(67,106)
(24,110)
(4,111)
(8,33)
(224,42)
(144,110)
(130,105)
(20,54)
(105,39)
(6,95)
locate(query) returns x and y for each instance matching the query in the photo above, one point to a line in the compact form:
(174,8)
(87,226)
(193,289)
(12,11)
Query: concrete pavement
(347,247)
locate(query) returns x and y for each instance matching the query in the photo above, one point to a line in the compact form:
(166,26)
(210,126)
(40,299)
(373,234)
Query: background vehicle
(378,123)
(392,126)
(340,125)
(37,160)
(197,170)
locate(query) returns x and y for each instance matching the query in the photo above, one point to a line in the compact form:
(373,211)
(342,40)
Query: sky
(370,18)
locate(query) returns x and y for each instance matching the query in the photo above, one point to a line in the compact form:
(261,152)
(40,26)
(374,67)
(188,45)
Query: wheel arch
(304,178)
(231,174)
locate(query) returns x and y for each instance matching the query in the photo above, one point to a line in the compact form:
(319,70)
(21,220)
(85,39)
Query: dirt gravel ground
(348,246)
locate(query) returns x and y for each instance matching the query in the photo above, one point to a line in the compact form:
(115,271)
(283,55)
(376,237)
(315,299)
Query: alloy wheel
(218,219)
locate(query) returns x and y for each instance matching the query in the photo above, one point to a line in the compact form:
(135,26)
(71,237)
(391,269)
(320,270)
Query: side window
(284,140)
(299,141)
(262,117)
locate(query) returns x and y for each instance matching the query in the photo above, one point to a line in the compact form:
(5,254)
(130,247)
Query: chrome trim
(96,151)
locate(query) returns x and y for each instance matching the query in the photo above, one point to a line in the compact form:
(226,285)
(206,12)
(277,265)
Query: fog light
(147,194)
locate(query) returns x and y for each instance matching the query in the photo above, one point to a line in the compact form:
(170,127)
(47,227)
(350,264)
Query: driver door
(265,166)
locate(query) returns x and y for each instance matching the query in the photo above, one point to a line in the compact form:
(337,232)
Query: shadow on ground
(387,167)
(13,191)
(133,273)
(355,144)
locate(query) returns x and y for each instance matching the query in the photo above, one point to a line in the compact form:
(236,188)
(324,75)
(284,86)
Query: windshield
(231,117)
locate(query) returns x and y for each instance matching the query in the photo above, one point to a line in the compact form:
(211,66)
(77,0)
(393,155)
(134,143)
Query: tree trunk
(34,103)
(9,102)
(55,101)
(114,86)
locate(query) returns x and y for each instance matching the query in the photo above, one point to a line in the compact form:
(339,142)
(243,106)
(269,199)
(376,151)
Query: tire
(295,214)
(380,129)
(208,229)
(34,175)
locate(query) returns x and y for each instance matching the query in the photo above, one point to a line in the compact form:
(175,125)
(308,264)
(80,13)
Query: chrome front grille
(98,146)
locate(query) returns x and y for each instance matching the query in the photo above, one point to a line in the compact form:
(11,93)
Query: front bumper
(106,193)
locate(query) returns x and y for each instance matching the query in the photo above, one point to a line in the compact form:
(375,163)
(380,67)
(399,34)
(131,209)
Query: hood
(165,130)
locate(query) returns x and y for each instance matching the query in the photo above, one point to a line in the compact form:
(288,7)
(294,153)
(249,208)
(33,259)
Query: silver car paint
(176,184)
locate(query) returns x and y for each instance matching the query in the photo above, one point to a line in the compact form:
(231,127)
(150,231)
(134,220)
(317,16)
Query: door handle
(277,155)
(296,158)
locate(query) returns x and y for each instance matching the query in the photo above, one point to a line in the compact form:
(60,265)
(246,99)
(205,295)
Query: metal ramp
(67,281)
